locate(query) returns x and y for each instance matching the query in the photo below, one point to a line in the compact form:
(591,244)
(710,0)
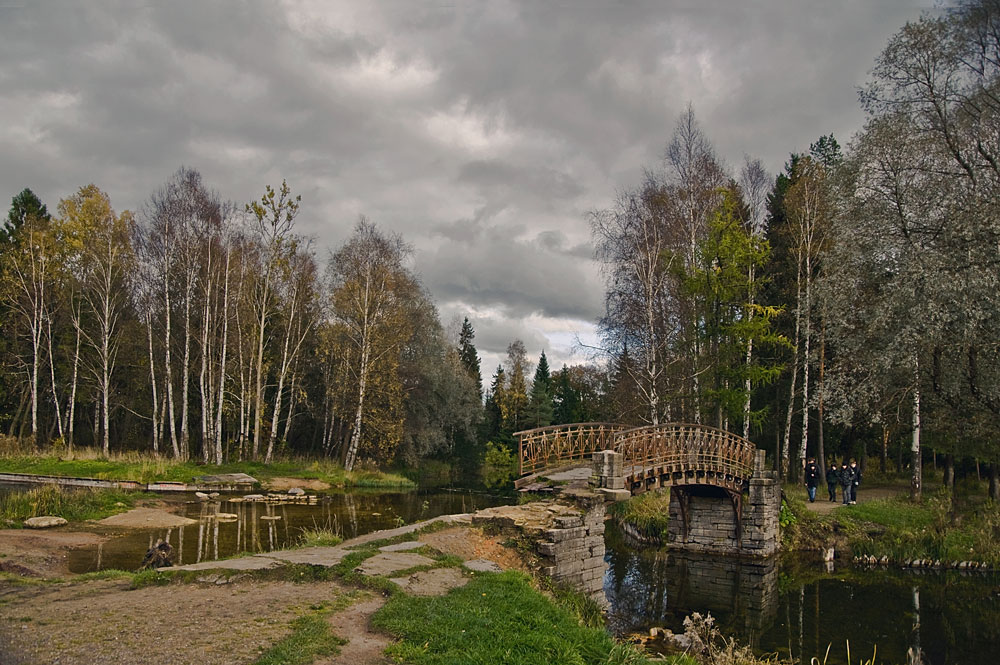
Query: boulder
(44,522)
(296,491)
(201,496)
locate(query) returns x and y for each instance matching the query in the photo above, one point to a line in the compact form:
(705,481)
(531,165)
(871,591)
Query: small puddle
(262,527)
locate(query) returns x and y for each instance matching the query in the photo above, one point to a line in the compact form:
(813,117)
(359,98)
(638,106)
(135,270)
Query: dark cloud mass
(483,132)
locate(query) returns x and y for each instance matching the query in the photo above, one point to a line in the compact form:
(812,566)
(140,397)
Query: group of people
(848,476)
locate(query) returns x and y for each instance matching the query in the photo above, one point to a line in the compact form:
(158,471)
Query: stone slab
(390,562)
(243,563)
(436,582)
(226,479)
(402,547)
(483,566)
(314,556)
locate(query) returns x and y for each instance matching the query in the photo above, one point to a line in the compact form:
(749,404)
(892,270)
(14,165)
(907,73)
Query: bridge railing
(685,447)
(545,447)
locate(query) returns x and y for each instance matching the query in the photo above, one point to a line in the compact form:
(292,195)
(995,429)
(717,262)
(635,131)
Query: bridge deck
(673,454)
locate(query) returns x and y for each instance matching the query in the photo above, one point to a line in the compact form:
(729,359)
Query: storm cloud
(482,132)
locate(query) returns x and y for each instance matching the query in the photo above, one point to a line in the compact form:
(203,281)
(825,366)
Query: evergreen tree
(23,207)
(468,354)
(540,409)
(566,398)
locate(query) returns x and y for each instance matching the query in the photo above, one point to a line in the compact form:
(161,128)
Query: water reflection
(660,587)
(261,527)
(795,608)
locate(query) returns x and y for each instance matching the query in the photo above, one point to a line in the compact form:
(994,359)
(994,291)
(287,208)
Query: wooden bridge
(669,455)
(722,499)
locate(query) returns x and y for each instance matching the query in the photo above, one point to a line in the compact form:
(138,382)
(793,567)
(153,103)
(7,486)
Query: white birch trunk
(807,334)
(222,362)
(785,449)
(916,479)
(52,375)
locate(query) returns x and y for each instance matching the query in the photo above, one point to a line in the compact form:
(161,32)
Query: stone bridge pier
(704,517)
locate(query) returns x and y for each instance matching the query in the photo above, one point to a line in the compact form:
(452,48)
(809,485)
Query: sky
(484,133)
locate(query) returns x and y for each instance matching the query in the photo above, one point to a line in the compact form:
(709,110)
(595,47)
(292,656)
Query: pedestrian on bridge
(812,478)
(832,479)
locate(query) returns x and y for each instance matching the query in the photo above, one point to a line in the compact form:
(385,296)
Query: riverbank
(322,474)
(383,590)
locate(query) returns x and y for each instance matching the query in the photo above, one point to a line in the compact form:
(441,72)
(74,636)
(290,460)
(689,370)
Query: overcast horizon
(483,133)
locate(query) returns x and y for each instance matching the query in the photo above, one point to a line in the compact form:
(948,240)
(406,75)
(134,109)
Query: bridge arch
(722,498)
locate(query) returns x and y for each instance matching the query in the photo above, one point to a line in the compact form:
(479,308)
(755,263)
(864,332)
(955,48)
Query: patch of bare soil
(41,553)
(188,624)
(148,518)
(471,543)
(365,646)
(285,484)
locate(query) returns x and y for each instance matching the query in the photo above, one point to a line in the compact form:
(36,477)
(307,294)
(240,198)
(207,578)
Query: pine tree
(468,354)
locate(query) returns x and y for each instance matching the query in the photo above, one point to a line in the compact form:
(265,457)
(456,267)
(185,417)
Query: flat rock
(389,562)
(227,479)
(483,566)
(402,547)
(243,563)
(44,522)
(436,582)
(314,556)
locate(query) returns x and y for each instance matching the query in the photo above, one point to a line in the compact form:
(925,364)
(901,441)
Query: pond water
(256,530)
(796,608)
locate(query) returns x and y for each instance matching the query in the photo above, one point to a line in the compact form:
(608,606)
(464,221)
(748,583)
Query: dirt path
(365,646)
(824,506)
(104,622)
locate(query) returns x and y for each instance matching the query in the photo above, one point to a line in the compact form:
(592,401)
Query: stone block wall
(572,551)
(711,521)
(761,511)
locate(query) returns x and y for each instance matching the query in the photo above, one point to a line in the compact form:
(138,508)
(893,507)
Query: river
(795,607)
(261,527)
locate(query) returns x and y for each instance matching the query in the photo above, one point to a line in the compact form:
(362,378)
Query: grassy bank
(145,468)
(495,618)
(74,505)
(648,514)
(941,526)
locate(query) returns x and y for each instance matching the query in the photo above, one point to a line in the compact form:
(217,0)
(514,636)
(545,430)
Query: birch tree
(104,266)
(271,220)
(367,280)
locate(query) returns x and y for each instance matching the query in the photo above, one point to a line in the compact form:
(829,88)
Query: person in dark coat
(832,479)
(846,481)
(812,478)
(857,481)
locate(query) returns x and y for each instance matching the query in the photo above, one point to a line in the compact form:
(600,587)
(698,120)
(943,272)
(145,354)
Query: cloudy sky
(483,132)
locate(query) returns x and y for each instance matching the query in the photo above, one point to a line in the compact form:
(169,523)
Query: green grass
(495,618)
(319,537)
(144,468)
(75,505)
(902,530)
(311,637)
(648,513)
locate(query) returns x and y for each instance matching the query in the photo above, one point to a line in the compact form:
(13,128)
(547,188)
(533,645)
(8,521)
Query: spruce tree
(540,408)
(468,354)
